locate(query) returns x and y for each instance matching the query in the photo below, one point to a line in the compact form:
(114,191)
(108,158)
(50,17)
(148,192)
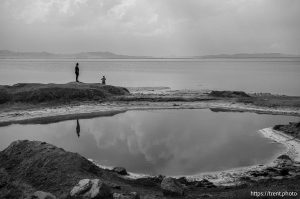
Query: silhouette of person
(103,80)
(77,71)
(78,128)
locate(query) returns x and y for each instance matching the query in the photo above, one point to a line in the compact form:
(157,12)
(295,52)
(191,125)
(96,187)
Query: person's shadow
(78,128)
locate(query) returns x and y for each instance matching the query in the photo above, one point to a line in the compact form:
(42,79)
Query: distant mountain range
(6,54)
(83,55)
(248,55)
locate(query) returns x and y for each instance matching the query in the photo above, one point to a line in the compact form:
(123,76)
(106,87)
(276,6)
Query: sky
(151,27)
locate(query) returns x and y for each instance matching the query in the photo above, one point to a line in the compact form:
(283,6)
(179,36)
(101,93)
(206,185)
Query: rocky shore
(33,169)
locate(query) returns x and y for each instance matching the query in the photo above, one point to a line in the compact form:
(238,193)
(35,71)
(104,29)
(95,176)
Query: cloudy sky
(151,27)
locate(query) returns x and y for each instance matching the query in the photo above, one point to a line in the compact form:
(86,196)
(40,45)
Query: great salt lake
(277,75)
(169,142)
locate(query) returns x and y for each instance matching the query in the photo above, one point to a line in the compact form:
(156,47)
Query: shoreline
(231,177)
(44,115)
(292,144)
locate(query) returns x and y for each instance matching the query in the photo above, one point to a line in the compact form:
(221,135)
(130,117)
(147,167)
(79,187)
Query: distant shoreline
(109,55)
(155,58)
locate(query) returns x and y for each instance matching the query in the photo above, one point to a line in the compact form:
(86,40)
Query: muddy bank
(32,167)
(254,99)
(49,114)
(55,93)
(45,118)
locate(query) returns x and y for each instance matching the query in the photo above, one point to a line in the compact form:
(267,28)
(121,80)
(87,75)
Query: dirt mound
(35,93)
(229,94)
(41,166)
(27,167)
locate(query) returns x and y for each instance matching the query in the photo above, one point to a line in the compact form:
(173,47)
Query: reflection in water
(78,128)
(168,142)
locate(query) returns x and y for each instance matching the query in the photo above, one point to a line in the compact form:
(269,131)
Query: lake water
(169,142)
(279,76)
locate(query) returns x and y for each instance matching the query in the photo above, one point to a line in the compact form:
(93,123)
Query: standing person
(78,128)
(77,71)
(103,80)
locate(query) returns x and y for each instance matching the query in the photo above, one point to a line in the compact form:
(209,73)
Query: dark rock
(113,185)
(259,173)
(151,196)
(193,183)
(204,183)
(206,195)
(160,178)
(132,195)
(210,186)
(264,173)
(171,187)
(271,169)
(278,127)
(255,174)
(42,195)
(283,161)
(243,185)
(183,180)
(120,170)
(284,157)
(284,172)
(245,178)
(149,181)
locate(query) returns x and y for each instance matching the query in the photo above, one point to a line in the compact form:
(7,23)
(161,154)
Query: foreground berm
(34,169)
